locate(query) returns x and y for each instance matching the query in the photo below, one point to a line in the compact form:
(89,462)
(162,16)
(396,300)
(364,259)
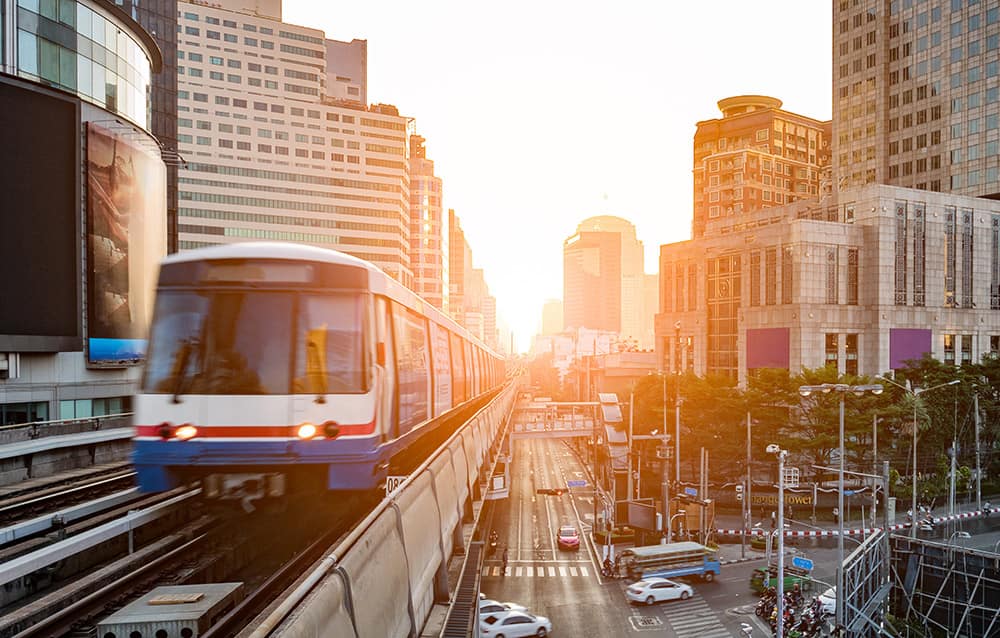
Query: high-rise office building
(755,156)
(915,95)
(428,228)
(603,278)
(459,264)
(278,143)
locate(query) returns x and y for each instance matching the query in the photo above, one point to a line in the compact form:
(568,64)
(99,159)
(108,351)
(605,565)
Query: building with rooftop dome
(756,156)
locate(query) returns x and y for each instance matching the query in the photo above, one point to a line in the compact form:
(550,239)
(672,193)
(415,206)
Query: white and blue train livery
(280,367)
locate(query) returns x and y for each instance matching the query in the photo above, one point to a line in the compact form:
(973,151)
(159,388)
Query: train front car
(260,379)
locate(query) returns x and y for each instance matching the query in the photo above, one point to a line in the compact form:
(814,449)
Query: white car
(828,601)
(514,624)
(653,590)
(487,606)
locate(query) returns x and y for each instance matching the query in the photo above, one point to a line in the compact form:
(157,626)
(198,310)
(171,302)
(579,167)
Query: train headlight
(306,431)
(331,429)
(165,431)
(186,432)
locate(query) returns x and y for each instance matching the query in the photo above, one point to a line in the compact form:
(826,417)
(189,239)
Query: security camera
(773,449)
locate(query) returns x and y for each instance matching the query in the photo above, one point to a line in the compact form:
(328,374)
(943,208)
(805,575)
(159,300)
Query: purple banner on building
(906,344)
(767,348)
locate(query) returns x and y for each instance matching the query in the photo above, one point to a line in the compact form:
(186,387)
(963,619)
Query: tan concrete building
(278,142)
(883,276)
(756,156)
(603,279)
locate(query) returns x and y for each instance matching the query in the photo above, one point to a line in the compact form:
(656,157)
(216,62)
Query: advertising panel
(39,219)
(126,237)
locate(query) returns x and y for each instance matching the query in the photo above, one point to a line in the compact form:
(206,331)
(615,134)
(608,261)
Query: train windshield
(254,342)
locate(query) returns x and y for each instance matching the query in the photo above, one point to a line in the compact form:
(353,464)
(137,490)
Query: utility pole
(665,485)
(677,402)
(874,464)
(747,508)
(954,461)
(631,401)
(979,491)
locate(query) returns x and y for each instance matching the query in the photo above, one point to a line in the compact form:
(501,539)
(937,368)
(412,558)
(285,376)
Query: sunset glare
(539,115)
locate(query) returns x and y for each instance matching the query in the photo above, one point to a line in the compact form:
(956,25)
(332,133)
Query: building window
(995,262)
(679,288)
(949,349)
(949,256)
(851,355)
(852,276)
(689,353)
(771,276)
(831,276)
(966,349)
(900,255)
(995,345)
(692,287)
(830,350)
(786,275)
(919,261)
(967,244)
(20,413)
(755,278)
(665,297)
(762,135)
(723,299)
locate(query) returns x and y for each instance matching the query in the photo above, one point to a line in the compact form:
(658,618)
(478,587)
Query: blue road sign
(802,562)
(690,491)
(848,492)
(576,483)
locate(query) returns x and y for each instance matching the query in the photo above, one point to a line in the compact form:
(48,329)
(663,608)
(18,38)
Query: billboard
(126,237)
(39,219)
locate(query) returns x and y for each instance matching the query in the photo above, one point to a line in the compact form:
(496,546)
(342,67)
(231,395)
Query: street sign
(848,492)
(690,491)
(576,483)
(802,562)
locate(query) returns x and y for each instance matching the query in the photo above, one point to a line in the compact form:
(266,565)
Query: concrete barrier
(375,571)
(449,505)
(421,524)
(326,612)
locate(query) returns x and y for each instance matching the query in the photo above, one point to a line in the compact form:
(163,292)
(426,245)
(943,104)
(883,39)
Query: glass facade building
(69,46)
(916,94)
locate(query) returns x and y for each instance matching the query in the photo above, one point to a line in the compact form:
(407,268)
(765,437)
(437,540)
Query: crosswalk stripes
(693,617)
(538,571)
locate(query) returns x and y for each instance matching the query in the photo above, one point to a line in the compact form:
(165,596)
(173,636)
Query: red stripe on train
(255,431)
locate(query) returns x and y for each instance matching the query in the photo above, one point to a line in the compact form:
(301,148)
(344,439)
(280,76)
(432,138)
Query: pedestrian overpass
(554,419)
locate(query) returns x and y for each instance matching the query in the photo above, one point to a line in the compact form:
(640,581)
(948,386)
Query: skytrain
(278,367)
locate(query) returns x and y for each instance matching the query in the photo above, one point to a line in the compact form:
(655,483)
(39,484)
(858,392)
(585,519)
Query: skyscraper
(755,156)
(278,143)
(603,279)
(915,95)
(428,228)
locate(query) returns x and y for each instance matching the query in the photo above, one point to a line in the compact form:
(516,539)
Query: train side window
(412,364)
(458,368)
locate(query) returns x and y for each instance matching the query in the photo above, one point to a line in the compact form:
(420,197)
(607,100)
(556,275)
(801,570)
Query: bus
(671,560)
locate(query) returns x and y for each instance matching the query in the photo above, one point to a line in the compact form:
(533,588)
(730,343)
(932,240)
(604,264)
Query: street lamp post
(915,392)
(782,455)
(670,524)
(841,389)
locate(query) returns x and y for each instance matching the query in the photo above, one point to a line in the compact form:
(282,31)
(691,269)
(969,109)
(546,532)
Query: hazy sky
(541,114)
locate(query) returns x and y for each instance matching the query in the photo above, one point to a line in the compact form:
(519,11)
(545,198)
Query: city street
(567,586)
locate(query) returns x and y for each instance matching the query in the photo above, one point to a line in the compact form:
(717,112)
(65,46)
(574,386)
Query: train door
(385,360)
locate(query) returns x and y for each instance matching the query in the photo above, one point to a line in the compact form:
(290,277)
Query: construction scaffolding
(942,589)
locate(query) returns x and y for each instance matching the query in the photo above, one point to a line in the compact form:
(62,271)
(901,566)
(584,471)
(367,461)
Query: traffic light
(739,492)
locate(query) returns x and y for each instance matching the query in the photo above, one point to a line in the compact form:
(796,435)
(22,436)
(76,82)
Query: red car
(568,537)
